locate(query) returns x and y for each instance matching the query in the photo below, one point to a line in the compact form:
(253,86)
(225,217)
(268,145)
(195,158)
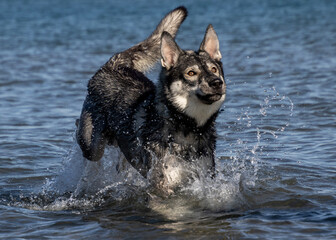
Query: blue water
(276,147)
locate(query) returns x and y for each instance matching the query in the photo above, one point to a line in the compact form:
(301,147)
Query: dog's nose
(216,83)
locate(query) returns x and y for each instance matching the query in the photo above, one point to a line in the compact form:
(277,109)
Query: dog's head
(193,82)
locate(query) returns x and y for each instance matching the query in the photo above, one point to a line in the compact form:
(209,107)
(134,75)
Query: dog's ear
(170,51)
(210,44)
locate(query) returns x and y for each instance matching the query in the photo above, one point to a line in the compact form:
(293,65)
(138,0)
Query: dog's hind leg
(90,133)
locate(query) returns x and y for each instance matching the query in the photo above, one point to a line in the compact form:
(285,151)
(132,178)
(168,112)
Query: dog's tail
(145,55)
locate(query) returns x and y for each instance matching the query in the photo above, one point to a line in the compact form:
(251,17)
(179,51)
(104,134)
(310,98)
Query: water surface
(276,147)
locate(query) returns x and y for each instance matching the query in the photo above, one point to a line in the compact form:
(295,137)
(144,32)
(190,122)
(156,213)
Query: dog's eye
(213,69)
(191,73)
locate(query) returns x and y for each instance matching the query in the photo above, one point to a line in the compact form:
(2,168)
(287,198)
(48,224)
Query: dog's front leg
(90,133)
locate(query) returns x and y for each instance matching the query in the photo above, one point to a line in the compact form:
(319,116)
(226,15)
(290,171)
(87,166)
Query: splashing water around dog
(82,184)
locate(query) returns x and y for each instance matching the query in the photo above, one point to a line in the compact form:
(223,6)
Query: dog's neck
(188,124)
(172,116)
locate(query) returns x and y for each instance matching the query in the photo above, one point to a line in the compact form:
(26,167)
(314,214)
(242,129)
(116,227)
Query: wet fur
(173,122)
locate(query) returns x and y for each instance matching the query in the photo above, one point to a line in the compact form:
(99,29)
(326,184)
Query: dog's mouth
(209,98)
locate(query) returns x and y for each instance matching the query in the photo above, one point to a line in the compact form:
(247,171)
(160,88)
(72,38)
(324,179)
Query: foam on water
(82,184)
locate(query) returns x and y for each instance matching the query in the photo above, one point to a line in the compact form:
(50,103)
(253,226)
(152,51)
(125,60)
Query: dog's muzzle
(213,92)
(216,84)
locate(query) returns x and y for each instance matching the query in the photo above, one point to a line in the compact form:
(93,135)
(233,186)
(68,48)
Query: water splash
(83,185)
(244,151)
(277,106)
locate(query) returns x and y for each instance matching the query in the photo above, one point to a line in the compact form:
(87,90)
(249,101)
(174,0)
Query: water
(276,146)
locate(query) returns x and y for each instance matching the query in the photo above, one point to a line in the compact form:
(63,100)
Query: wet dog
(168,125)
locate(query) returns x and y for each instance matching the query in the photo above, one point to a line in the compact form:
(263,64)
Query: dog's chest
(189,146)
(161,136)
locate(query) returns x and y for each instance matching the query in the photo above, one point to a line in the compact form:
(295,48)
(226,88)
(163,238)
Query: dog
(169,124)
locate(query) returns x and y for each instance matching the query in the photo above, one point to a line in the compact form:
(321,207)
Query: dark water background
(276,134)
